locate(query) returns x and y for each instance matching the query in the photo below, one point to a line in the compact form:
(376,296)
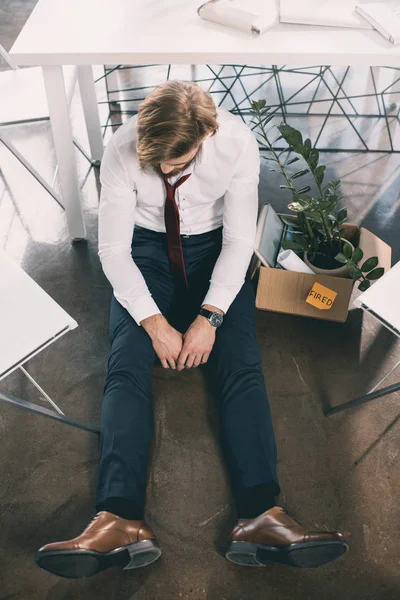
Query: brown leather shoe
(107,541)
(276,537)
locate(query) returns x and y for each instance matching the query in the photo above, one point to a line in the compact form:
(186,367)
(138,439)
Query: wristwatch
(214,318)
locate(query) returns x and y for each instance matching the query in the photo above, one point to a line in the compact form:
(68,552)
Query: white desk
(381,301)
(95,32)
(30,320)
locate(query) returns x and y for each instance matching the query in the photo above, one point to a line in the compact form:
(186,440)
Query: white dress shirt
(222,191)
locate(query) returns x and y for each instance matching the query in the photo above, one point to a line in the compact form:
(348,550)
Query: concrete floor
(340,472)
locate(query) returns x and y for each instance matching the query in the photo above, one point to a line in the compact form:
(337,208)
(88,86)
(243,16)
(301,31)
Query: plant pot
(339,272)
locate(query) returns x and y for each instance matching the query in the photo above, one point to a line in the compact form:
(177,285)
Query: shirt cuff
(142,308)
(220,298)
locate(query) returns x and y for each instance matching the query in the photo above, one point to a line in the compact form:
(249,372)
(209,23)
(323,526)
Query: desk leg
(363,399)
(91,112)
(46,412)
(372,394)
(63,142)
(113,85)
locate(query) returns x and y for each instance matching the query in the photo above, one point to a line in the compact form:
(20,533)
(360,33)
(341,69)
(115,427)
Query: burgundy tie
(172,226)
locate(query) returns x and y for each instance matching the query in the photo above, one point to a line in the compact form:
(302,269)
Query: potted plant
(321,232)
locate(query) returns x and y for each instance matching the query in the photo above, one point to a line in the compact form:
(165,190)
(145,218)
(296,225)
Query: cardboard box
(286,292)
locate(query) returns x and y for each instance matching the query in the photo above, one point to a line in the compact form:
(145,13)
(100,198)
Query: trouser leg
(235,375)
(127,414)
(247,436)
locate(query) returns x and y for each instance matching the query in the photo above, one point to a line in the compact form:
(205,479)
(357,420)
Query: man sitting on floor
(177,224)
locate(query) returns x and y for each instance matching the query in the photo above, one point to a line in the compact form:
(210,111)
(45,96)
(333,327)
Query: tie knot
(171,188)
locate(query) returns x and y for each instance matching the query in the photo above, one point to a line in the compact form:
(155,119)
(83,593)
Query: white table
(381,301)
(30,321)
(96,32)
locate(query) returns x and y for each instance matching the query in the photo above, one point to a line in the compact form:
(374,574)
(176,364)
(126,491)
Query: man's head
(173,121)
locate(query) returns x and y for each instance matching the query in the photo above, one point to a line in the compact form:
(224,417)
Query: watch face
(216,319)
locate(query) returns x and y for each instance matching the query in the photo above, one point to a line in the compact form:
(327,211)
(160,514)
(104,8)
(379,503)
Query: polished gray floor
(340,472)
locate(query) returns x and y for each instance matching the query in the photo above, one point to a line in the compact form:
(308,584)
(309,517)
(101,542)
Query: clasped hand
(183,351)
(197,344)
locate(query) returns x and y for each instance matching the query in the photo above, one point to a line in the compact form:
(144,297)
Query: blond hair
(172,120)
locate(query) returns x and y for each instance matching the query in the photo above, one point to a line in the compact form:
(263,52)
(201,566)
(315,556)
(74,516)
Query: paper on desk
(252,16)
(384,17)
(290,261)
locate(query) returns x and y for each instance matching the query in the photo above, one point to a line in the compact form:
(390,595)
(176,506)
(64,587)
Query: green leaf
(357,255)
(300,173)
(289,245)
(342,215)
(341,258)
(292,160)
(347,250)
(298,148)
(307,148)
(354,271)
(296,207)
(292,136)
(315,217)
(277,139)
(364,285)
(298,238)
(285,187)
(333,186)
(375,274)
(313,158)
(329,202)
(319,173)
(301,219)
(304,190)
(369,264)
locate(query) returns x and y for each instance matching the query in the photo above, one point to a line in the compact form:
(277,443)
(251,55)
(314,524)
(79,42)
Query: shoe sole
(306,555)
(74,564)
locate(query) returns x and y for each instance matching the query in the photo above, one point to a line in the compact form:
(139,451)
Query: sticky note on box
(321,297)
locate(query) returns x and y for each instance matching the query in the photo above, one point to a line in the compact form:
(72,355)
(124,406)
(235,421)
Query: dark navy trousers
(234,369)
